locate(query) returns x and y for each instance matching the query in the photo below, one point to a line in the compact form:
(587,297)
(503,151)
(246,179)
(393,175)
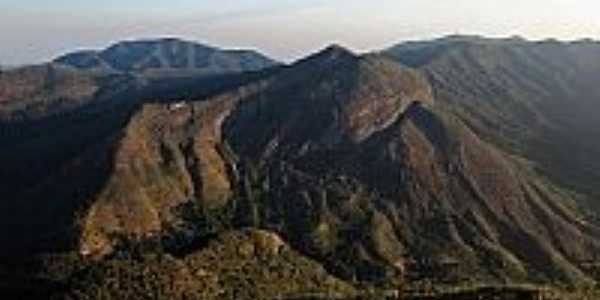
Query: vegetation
(340,174)
(247,264)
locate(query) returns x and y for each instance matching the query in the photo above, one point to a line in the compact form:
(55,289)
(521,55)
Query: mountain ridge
(418,165)
(524,101)
(381,167)
(169,54)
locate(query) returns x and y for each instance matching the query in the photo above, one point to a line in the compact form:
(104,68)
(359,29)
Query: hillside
(424,181)
(451,160)
(40,91)
(353,160)
(525,96)
(57,126)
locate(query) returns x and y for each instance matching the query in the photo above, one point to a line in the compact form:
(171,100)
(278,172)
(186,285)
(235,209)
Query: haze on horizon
(36,31)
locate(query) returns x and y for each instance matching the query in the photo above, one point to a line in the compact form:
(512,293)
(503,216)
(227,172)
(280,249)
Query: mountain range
(168,55)
(461,157)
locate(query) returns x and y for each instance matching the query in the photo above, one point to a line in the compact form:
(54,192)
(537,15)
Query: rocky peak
(337,51)
(333,54)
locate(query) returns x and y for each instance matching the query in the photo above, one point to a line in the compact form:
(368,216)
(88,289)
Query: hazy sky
(37,30)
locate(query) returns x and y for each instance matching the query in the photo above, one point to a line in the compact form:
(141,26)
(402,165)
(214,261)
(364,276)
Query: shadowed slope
(246,264)
(538,99)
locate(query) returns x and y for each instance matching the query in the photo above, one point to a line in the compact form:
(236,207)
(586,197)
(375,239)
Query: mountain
(407,174)
(35,92)
(197,153)
(527,96)
(352,160)
(51,115)
(445,161)
(339,98)
(80,78)
(167,56)
(64,109)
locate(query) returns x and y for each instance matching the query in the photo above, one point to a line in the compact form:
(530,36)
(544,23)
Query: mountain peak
(166,55)
(332,53)
(336,51)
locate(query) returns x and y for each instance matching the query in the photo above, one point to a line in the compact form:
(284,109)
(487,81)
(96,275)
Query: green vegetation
(247,264)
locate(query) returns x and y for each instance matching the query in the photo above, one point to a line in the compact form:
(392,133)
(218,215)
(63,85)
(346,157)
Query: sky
(34,31)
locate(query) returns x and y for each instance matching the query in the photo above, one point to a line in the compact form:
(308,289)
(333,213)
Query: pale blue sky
(37,30)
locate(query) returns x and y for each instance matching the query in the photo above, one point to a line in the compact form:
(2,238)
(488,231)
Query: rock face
(149,178)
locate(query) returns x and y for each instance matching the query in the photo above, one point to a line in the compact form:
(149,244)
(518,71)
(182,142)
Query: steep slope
(349,158)
(39,91)
(523,95)
(422,185)
(167,56)
(456,196)
(169,158)
(67,109)
(50,113)
(358,162)
(57,146)
(329,99)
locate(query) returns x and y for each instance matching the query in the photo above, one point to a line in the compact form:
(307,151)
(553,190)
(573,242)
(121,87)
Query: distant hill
(537,99)
(167,56)
(37,91)
(6,67)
